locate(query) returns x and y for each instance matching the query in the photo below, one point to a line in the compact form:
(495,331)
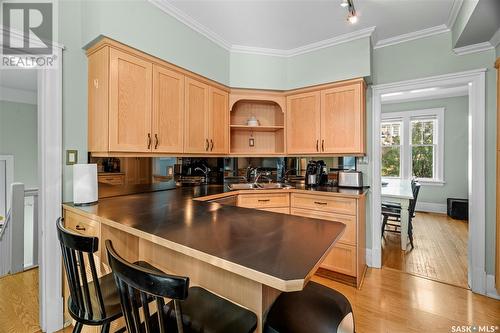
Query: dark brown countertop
(283,246)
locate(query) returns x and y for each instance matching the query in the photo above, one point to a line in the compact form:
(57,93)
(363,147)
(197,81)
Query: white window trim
(405,117)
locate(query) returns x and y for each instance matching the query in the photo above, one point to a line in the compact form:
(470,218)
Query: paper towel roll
(84,184)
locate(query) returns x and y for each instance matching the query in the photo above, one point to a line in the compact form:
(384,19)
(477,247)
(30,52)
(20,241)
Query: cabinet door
(130,80)
(218,121)
(168,110)
(98,90)
(196,117)
(343,120)
(303,123)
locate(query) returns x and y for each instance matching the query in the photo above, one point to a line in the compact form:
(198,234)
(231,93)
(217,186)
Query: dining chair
(392,213)
(191,310)
(95,302)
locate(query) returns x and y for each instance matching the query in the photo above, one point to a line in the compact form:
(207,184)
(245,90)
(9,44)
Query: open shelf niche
(268,137)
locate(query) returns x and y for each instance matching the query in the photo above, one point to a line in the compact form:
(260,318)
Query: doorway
(474,82)
(424,136)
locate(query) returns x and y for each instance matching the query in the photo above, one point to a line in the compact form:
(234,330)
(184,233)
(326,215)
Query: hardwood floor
(440,251)
(19,302)
(392,301)
(389,301)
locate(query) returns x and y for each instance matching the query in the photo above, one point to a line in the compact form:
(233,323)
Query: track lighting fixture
(352,17)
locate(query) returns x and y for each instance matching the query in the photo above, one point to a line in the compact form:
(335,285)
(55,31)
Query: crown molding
(18,95)
(412,36)
(495,39)
(455,9)
(348,37)
(173,11)
(479,47)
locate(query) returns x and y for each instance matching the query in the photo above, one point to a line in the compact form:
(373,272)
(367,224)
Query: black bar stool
(95,303)
(316,309)
(191,309)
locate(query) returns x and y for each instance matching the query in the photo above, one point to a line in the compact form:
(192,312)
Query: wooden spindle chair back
(77,252)
(137,287)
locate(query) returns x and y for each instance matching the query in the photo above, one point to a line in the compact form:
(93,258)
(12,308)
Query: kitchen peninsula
(246,255)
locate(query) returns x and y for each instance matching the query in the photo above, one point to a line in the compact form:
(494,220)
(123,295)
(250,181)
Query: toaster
(350,178)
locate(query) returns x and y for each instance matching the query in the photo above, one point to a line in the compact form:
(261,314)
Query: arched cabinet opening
(257,127)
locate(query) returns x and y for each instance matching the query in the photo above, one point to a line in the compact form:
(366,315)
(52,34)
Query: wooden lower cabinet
(348,255)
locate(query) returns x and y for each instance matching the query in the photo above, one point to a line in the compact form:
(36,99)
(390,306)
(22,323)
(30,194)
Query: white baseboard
(490,287)
(373,258)
(431,207)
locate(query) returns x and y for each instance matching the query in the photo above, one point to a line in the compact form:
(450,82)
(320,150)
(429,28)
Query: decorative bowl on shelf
(252,121)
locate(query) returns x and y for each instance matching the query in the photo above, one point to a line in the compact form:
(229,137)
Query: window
(391,149)
(412,145)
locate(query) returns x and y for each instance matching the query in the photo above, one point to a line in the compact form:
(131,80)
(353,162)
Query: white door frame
(49,112)
(476,180)
(50,194)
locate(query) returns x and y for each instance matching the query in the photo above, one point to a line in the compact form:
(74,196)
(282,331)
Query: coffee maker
(316,173)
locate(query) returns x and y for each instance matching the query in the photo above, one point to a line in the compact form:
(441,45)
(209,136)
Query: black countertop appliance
(316,173)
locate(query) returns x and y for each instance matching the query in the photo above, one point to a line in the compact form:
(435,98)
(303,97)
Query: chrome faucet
(205,172)
(261,174)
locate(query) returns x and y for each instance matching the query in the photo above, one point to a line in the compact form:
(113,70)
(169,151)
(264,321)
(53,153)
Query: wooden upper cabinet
(130,97)
(98,78)
(218,121)
(168,111)
(303,123)
(196,113)
(343,120)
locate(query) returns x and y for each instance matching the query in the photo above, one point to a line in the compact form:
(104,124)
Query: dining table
(399,191)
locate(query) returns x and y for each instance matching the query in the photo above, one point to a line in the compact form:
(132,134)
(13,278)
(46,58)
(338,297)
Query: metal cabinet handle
(320,203)
(207,145)
(317,145)
(263,200)
(96,83)
(80,228)
(211,144)
(323,145)
(149,140)
(156,141)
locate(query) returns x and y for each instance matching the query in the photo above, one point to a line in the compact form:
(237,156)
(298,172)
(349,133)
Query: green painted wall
(252,71)
(18,137)
(142,25)
(434,56)
(455,146)
(335,63)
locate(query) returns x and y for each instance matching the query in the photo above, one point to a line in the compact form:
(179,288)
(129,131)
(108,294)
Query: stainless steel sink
(270,186)
(244,186)
(259,186)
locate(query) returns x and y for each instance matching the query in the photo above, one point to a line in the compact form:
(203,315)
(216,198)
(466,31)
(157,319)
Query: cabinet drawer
(349,236)
(81,224)
(281,210)
(113,179)
(263,200)
(342,259)
(324,203)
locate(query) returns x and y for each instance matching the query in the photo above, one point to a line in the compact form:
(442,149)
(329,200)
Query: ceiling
(290,24)
(24,79)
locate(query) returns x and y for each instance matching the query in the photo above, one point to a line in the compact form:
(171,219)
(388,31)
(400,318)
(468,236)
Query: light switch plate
(71,157)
